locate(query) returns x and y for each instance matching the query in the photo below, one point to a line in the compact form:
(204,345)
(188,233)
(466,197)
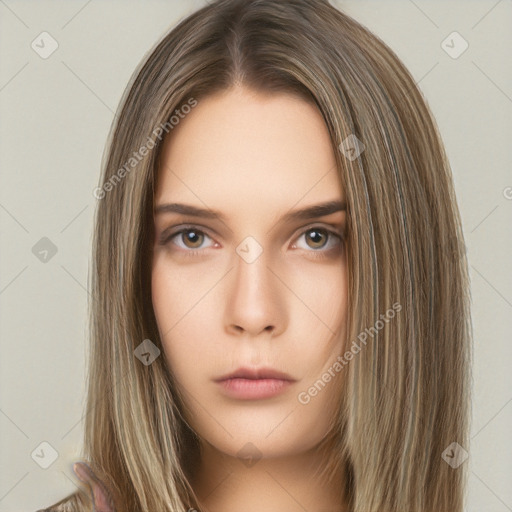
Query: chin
(255,440)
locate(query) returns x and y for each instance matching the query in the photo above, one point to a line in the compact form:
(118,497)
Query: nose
(255,303)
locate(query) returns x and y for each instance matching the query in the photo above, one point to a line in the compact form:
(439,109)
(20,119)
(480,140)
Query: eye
(190,238)
(320,239)
(317,239)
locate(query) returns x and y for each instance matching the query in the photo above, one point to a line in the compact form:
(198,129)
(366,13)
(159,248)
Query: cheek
(168,299)
(163,296)
(323,300)
(183,313)
(176,294)
(323,317)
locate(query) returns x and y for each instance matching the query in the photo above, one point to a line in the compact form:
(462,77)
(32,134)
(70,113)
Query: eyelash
(165,239)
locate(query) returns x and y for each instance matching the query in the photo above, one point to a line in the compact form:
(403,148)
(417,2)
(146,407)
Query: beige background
(56,113)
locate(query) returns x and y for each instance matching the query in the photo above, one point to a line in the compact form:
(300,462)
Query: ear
(101,498)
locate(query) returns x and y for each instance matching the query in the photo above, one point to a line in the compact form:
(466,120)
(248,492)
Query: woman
(281,302)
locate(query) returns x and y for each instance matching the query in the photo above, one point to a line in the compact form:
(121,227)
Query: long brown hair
(407,394)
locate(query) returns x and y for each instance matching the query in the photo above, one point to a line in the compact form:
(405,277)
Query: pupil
(190,235)
(315,233)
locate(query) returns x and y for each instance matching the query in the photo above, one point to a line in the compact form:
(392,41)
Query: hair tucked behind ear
(406,394)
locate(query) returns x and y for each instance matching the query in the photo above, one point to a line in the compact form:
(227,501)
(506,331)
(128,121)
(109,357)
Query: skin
(254,158)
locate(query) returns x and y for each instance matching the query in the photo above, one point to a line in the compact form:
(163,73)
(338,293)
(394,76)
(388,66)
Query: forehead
(240,148)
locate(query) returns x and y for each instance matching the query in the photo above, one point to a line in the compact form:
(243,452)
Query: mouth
(254,384)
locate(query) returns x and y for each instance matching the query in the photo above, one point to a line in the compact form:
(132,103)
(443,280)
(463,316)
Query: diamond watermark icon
(249,455)
(249,249)
(147,352)
(44,455)
(454,455)
(352,147)
(44,45)
(44,250)
(454,45)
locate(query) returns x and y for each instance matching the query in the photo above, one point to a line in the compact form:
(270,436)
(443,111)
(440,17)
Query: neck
(293,483)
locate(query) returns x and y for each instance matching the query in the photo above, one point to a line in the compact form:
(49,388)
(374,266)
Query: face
(250,297)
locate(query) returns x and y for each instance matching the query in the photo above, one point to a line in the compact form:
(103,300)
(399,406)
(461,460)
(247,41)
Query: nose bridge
(254,302)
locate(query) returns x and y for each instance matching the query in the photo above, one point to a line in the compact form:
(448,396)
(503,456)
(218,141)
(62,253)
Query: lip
(254,383)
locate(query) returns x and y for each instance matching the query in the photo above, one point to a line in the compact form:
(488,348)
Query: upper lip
(255,373)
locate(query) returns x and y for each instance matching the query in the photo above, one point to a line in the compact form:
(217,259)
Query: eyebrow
(310,212)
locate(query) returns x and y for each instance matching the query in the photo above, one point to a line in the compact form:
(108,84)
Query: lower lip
(254,389)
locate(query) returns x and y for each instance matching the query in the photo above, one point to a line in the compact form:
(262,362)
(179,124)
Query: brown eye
(187,239)
(192,238)
(317,236)
(319,240)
